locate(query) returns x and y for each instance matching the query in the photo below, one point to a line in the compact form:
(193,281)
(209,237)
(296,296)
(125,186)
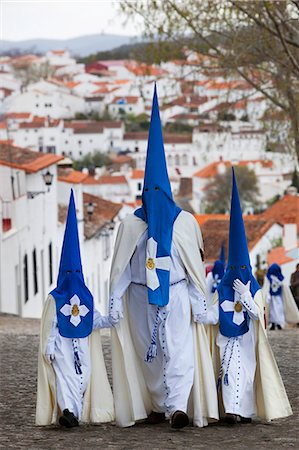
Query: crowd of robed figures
(184,349)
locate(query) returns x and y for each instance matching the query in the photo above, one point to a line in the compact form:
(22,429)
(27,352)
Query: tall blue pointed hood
(159,211)
(238,266)
(275,278)
(74,301)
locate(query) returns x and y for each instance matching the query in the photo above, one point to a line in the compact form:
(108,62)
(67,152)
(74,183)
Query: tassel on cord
(152,351)
(77,362)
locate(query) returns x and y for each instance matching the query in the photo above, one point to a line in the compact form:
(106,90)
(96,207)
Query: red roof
(106,179)
(278,255)
(168,138)
(285,210)
(27,160)
(103,214)
(71,176)
(128,100)
(212,169)
(13,115)
(137,174)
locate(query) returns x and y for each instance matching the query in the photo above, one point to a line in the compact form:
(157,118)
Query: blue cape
(70,283)
(158,208)
(238,266)
(218,272)
(275,270)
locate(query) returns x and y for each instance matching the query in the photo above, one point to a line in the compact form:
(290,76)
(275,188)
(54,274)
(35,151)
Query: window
(35,284)
(90,140)
(80,153)
(63,153)
(139,187)
(50,264)
(79,142)
(185,160)
(177,160)
(35,131)
(70,153)
(66,142)
(52,139)
(25,275)
(36,105)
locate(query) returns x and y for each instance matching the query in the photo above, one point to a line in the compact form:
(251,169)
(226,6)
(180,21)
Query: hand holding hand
(50,357)
(240,287)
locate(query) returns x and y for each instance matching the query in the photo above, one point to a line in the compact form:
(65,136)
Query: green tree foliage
(295,179)
(255,40)
(92,160)
(218,191)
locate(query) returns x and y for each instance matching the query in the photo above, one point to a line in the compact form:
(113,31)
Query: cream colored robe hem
(98,400)
(131,397)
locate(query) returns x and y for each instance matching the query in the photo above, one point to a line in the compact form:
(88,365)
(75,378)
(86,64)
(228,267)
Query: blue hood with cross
(74,301)
(233,318)
(159,211)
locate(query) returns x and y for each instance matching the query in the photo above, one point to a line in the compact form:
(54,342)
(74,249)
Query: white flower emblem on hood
(75,310)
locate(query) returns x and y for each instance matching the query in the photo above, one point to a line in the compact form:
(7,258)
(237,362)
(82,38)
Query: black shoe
(272,327)
(230,419)
(245,419)
(279,327)
(154,418)
(179,419)
(68,420)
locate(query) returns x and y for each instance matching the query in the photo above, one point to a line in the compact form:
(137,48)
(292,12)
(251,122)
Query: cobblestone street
(18,347)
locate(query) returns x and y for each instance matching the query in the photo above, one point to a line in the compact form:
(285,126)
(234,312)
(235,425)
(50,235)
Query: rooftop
(27,160)
(215,232)
(71,176)
(103,214)
(212,169)
(285,210)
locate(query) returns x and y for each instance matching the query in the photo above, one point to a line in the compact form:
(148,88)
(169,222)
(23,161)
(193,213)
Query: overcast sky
(61,19)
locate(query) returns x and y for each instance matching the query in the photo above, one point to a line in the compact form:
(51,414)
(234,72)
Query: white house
(28,231)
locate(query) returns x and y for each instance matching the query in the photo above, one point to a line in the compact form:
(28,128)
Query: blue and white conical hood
(159,211)
(74,301)
(238,266)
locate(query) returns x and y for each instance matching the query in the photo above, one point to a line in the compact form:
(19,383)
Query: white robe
(280,310)
(136,393)
(238,361)
(169,377)
(97,400)
(255,386)
(71,386)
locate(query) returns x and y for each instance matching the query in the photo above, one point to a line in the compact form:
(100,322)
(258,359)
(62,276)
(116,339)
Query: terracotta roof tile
(137,174)
(106,179)
(104,212)
(278,255)
(24,159)
(285,210)
(168,138)
(126,100)
(212,169)
(215,232)
(71,176)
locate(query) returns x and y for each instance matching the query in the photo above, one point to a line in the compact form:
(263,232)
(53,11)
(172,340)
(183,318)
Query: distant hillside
(80,46)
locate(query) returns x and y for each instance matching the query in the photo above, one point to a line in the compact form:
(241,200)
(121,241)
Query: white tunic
(238,362)
(276,309)
(169,377)
(71,386)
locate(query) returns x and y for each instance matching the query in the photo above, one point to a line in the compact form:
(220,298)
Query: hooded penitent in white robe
(87,395)
(281,309)
(255,387)
(181,376)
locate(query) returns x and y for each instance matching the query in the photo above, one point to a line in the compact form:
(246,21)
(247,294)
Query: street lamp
(90,209)
(48,179)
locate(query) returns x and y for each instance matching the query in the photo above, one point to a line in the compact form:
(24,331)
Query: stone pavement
(18,351)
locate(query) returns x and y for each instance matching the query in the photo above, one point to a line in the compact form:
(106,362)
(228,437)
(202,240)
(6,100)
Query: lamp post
(48,180)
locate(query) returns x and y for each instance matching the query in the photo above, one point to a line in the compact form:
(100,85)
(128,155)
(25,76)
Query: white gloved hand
(50,357)
(199,318)
(240,287)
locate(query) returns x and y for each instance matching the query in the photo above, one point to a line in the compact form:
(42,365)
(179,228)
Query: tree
(218,191)
(31,73)
(92,160)
(295,179)
(255,40)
